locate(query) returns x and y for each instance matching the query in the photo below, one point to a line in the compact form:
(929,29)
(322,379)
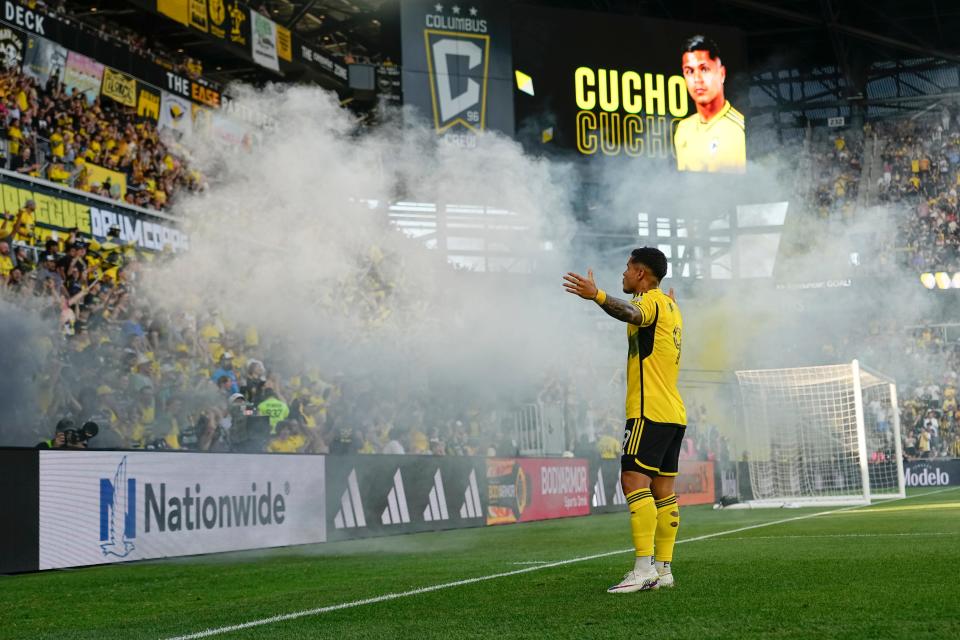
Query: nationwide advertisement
(457,72)
(99,507)
(526,489)
(932,473)
(60,209)
(662,93)
(384,495)
(693,485)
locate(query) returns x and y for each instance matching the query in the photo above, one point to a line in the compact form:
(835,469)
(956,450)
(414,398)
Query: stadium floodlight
(827,435)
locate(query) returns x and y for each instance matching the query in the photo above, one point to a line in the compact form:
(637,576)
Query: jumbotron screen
(600,85)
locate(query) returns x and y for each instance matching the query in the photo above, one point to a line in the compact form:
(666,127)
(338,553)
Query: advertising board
(526,489)
(98,507)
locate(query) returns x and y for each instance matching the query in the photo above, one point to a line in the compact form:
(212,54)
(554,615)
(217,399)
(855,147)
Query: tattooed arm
(586,288)
(622,310)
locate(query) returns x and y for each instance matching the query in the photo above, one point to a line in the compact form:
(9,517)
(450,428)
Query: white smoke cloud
(285,238)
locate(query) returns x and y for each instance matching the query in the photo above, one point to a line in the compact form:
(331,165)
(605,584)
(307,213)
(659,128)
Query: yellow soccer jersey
(715,146)
(653,360)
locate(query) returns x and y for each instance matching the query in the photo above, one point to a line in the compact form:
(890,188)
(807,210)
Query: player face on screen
(704,77)
(632,277)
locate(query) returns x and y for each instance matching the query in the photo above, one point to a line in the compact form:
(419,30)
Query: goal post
(821,436)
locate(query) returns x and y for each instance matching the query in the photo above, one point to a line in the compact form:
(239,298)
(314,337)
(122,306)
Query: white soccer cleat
(666,580)
(633,581)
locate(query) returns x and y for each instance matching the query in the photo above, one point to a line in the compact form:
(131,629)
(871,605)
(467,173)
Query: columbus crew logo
(458,56)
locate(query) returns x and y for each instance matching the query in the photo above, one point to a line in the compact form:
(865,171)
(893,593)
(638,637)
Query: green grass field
(886,571)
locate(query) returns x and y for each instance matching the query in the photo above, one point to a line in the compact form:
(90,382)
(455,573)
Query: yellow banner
(174,9)
(217,10)
(284,50)
(148,104)
(119,86)
(99,175)
(198,14)
(52,211)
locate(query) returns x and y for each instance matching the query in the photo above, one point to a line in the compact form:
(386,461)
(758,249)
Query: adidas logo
(350,514)
(437,507)
(396,511)
(471,498)
(599,493)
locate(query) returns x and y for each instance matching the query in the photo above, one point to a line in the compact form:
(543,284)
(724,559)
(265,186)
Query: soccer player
(656,417)
(712,139)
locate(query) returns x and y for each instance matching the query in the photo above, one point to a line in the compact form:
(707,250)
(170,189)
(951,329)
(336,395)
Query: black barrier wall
(385,495)
(606,492)
(20,529)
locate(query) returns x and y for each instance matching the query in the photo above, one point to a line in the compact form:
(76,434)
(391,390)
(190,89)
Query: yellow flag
(174,9)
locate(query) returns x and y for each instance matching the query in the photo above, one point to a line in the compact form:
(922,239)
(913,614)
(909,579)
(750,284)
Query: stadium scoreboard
(602,85)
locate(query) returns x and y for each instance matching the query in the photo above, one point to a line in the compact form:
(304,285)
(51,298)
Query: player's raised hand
(576,284)
(670,293)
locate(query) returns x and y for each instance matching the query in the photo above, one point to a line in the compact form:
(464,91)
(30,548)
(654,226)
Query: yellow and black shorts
(651,448)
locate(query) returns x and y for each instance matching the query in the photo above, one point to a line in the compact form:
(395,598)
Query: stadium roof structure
(848,39)
(345,30)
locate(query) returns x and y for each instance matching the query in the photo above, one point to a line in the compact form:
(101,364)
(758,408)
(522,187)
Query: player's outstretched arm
(587,289)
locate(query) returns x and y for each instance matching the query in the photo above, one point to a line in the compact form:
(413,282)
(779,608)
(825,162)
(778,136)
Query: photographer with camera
(67,435)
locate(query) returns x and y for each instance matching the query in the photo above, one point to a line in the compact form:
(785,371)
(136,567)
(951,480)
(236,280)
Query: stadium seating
(63,138)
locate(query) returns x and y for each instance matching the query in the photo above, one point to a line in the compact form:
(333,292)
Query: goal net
(825,435)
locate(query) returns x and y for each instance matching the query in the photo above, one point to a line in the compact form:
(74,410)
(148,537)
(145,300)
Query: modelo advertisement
(694,484)
(387,494)
(932,473)
(112,506)
(526,489)
(601,85)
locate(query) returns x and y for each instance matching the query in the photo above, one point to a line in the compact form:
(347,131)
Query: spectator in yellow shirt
(15,136)
(7,221)
(57,173)
(25,223)
(6,262)
(287,440)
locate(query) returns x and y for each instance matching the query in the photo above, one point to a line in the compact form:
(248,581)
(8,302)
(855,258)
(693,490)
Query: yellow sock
(643,520)
(668,521)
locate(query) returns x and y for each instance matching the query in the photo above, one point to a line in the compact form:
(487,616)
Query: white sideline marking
(459,583)
(532,562)
(851,535)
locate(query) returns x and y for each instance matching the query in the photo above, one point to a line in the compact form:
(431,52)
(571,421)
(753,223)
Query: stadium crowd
(151,378)
(52,133)
(917,175)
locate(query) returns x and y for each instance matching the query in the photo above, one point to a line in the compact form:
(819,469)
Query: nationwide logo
(350,514)
(471,498)
(396,511)
(437,501)
(184,510)
(457,63)
(118,513)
